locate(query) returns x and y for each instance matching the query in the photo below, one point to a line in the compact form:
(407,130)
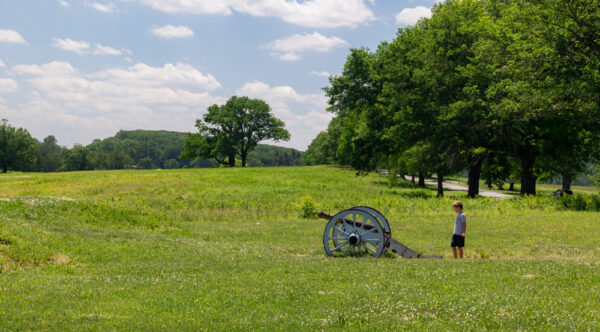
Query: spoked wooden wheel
(354,232)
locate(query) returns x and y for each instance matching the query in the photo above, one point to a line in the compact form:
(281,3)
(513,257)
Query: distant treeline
(135,149)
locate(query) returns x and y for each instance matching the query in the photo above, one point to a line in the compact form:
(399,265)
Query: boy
(460,227)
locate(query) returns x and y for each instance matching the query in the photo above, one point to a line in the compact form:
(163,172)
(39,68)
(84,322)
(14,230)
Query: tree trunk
(231,159)
(413,179)
(4,169)
(244,154)
(440,184)
(512,186)
(474,175)
(527,177)
(421,180)
(567,178)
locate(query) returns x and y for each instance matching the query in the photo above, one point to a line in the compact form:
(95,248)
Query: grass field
(226,249)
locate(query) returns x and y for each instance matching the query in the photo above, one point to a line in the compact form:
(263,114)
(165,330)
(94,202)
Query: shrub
(574,202)
(307,208)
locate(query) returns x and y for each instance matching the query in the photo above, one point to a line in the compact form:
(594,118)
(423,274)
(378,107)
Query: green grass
(226,249)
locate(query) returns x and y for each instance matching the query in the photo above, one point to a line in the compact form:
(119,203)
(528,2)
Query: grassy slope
(225,249)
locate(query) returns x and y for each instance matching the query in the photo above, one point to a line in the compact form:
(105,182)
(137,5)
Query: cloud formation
(170,31)
(11,36)
(83,47)
(64,3)
(8,85)
(320,73)
(303,126)
(77,107)
(70,45)
(410,16)
(288,48)
(2,65)
(310,13)
(105,8)
(106,50)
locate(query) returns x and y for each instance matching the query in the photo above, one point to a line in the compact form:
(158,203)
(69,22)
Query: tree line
(507,90)
(134,149)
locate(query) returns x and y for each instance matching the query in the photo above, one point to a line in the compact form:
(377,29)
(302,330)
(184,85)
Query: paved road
(485,193)
(453,186)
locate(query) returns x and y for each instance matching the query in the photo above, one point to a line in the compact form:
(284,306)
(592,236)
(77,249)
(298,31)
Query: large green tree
(234,129)
(17,148)
(49,155)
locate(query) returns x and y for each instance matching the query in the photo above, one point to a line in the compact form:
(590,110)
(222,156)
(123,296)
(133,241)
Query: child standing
(460,227)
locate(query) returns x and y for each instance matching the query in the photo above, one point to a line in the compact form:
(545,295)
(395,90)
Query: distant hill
(150,149)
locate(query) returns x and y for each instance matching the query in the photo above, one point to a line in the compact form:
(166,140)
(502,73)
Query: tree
(49,156)
(234,128)
(321,150)
(171,163)
(17,148)
(77,158)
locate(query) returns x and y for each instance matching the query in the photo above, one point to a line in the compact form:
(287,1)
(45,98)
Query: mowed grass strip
(225,249)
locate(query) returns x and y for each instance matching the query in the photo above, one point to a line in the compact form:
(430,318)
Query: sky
(85,69)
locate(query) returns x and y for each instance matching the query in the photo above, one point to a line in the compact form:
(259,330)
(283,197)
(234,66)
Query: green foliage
(146,163)
(127,149)
(233,129)
(579,202)
(503,89)
(270,155)
(171,163)
(49,155)
(77,159)
(307,208)
(321,150)
(17,148)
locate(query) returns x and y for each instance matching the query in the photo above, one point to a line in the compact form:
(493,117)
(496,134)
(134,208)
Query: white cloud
(191,6)
(320,73)
(170,31)
(289,47)
(178,75)
(79,47)
(310,13)
(2,65)
(105,8)
(78,107)
(11,36)
(8,85)
(53,69)
(64,3)
(83,47)
(286,56)
(308,119)
(410,16)
(106,50)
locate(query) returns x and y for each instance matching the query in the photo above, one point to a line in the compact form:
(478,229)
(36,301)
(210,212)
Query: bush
(171,164)
(581,202)
(307,208)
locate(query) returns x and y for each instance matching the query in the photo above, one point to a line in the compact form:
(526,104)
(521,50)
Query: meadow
(229,249)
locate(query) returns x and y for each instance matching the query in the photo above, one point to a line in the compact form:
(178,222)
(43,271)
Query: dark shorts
(457,241)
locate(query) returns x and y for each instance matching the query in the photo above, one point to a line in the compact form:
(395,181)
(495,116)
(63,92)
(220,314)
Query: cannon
(362,231)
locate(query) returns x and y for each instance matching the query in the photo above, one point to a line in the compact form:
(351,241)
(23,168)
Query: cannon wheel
(384,223)
(354,232)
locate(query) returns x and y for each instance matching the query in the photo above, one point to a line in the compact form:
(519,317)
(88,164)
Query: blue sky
(84,69)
